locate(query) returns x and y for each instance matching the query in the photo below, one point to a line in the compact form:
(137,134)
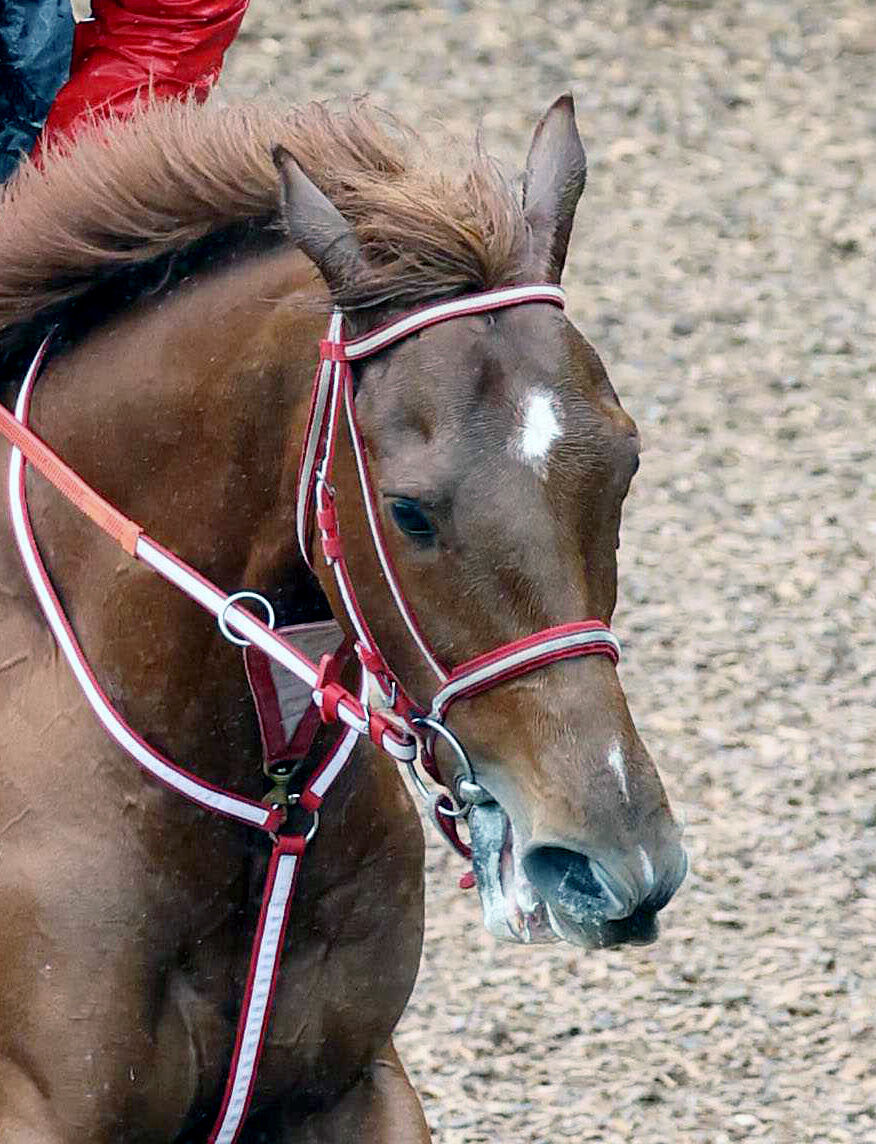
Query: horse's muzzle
(541,892)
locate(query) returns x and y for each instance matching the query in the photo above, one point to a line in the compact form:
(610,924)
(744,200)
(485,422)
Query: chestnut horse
(187,325)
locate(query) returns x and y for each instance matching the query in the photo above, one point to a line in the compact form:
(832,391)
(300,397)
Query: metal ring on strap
(270,620)
(294,799)
(466,789)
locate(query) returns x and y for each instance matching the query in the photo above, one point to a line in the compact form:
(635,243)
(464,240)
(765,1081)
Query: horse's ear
(316,225)
(556,171)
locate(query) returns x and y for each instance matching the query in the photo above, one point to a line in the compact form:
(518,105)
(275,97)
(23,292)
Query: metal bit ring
(465,785)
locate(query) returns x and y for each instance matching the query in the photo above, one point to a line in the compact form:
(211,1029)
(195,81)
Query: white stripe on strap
(322,390)
(252,1026)
(332,766)
(348,597)
(308,464)
(466,681)
(474,304)
(377,537)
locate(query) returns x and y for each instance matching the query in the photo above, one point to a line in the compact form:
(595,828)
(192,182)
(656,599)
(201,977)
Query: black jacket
(36,42)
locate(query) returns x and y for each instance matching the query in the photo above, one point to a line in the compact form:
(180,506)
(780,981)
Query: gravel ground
(724,266)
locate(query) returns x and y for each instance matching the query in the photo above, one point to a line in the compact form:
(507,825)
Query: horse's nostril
(566,879)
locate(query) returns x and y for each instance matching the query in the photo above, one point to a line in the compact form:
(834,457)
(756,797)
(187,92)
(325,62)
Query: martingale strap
(261,983)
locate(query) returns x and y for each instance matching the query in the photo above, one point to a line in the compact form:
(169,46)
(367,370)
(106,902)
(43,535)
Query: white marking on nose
(540,425)
(617,762)
(647,869)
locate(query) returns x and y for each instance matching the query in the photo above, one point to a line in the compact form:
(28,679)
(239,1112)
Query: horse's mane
(134,204)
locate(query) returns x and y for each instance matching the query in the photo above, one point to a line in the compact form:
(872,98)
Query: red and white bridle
(334,399)
(400,727)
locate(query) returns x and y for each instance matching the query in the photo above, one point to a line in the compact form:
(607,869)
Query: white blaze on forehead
(540,424)
(618,764)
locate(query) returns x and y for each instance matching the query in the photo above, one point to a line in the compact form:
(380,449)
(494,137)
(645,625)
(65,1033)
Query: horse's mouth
(514,910)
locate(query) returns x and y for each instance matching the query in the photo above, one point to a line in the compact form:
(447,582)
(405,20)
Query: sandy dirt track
(723,264)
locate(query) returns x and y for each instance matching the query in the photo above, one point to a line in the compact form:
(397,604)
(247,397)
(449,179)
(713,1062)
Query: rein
(400,727)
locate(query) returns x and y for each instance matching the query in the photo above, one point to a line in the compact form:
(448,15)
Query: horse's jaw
(513,908)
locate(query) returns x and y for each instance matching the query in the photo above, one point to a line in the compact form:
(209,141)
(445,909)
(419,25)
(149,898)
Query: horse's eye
(411,519)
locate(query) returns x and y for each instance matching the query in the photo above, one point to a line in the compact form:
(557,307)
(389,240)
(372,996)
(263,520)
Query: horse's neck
(187,415)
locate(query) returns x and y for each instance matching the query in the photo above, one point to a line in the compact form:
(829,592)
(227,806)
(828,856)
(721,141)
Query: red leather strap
(332,547)
(378,726)
(327,519)
(332,692)
(261,983)
(124,531)
(372,661)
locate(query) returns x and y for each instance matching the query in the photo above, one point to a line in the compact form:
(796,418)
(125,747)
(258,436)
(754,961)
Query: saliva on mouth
(513,909)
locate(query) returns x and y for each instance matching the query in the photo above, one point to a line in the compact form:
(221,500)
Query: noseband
(399,726)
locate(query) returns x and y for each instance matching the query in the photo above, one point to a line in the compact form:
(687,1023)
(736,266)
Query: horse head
(500,457)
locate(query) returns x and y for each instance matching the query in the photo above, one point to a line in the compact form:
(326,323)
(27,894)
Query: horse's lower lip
(641,928)
(513,911)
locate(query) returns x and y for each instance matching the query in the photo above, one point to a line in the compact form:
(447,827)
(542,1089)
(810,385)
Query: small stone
(725,918)
(684,326)
(744,1120)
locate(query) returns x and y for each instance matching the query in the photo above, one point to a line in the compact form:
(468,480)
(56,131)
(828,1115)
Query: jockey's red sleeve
(132,48)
